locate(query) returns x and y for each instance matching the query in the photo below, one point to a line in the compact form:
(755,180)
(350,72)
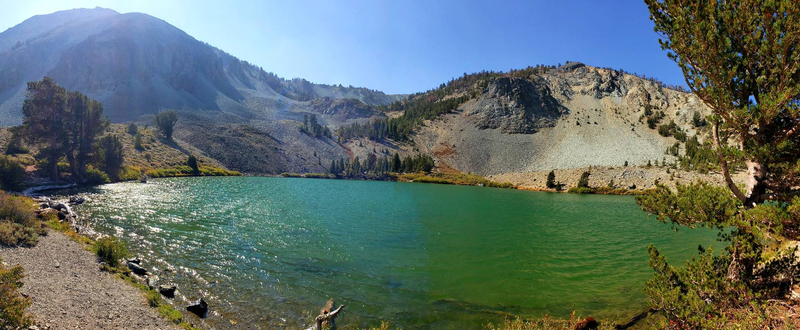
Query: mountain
(136,64)
(488,123)
(545,118)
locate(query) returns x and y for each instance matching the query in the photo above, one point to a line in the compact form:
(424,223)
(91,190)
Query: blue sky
(403,46)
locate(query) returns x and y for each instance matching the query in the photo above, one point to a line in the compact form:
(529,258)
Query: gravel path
(69,291)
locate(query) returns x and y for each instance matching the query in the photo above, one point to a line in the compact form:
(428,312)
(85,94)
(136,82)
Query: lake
(269,252)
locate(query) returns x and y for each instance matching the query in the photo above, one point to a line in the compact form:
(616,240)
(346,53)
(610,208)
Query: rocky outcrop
(342,110)
(516,105)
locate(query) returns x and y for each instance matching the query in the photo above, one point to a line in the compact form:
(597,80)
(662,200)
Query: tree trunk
(723,164)
(756,183)
(74,167)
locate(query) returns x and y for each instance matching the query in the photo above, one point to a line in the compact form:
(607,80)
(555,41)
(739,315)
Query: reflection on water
(268,252)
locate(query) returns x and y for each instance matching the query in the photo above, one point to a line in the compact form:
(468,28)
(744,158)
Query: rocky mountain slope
(247,119)
(136,64)
(570,117)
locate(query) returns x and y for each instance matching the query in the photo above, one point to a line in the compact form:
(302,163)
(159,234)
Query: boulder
(136,268)
(167,290)
(61,216)
(135,260)
(199,308)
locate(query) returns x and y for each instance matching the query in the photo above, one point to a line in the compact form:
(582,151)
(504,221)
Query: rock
(61,216)
(58,265)
(76,200)
(152,281)
(516,106)
(632,187)
(588,323)
(167,290)
(135,260)
(199,308)
(136,268)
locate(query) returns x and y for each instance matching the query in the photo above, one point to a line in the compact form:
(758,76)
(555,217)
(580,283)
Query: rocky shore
(68,290)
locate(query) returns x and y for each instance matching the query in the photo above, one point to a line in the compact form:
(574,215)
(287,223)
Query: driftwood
(327,316)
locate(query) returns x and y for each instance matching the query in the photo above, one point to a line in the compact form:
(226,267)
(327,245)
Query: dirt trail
(69,291)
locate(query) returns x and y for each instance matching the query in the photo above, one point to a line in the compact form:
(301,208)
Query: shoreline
(68,289)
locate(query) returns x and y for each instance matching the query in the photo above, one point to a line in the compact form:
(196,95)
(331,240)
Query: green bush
(12,174)
(18,222)
(95,176)
(12,304)
(137,142)
(580,190)
(133,129)
(110,250)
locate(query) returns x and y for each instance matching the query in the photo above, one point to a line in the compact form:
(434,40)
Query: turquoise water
(269,252)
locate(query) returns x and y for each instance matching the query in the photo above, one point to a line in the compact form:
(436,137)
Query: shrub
(580,190)
(137,142)
(12,304)
(129,173)
(133,129)
(95,176)
(110,250)
(18,222)
(12,174)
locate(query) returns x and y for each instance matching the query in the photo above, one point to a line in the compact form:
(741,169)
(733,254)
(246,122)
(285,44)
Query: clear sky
(402,46)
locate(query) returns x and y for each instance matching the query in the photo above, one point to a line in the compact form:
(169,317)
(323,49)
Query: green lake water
(269,252)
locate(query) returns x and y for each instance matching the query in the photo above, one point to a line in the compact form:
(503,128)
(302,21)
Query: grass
(453,178)
(183,170)
(309,175)
(601,191)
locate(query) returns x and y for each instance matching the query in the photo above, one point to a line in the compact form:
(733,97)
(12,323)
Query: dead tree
(328,316)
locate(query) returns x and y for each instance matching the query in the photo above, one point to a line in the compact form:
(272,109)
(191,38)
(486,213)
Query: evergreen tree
(109,155)
(45,121)
(583,182)
(165,121)
(741,59)
(551,180)
(192,163)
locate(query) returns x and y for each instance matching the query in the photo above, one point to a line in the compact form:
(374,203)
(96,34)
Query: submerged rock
(167,290)
(76,200)
(152,281)
(199,308)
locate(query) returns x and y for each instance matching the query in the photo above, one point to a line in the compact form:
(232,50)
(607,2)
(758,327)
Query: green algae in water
(269,252)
